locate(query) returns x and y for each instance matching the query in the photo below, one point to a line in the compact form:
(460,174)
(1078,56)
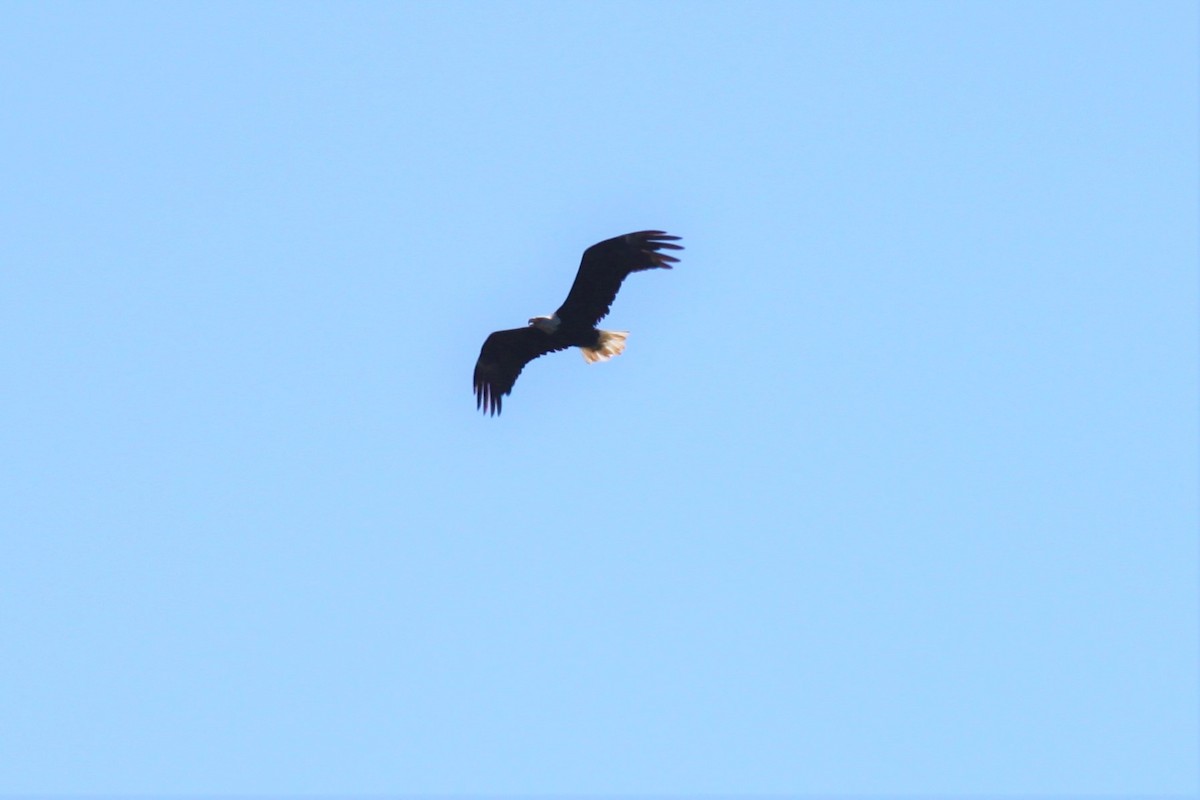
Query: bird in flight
(604,267)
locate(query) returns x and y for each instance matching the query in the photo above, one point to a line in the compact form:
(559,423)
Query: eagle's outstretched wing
(503,356)
(603,268)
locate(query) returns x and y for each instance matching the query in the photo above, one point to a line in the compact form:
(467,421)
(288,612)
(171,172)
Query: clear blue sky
(894,490)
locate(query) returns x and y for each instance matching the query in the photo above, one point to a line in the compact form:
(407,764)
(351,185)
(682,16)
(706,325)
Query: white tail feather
(612,343)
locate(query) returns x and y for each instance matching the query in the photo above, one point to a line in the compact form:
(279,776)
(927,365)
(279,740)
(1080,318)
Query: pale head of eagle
(546,324)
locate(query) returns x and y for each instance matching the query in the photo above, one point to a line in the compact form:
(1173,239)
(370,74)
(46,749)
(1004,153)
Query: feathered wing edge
(605,265)
(503,355)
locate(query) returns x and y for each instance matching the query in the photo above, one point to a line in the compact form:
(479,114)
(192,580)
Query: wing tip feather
(487,399)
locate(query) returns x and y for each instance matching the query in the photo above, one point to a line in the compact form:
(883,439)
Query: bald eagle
(604,266)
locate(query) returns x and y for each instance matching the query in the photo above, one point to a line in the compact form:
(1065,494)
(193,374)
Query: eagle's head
(546,324)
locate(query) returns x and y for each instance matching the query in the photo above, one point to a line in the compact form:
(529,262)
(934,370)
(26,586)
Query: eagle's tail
(612,343)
